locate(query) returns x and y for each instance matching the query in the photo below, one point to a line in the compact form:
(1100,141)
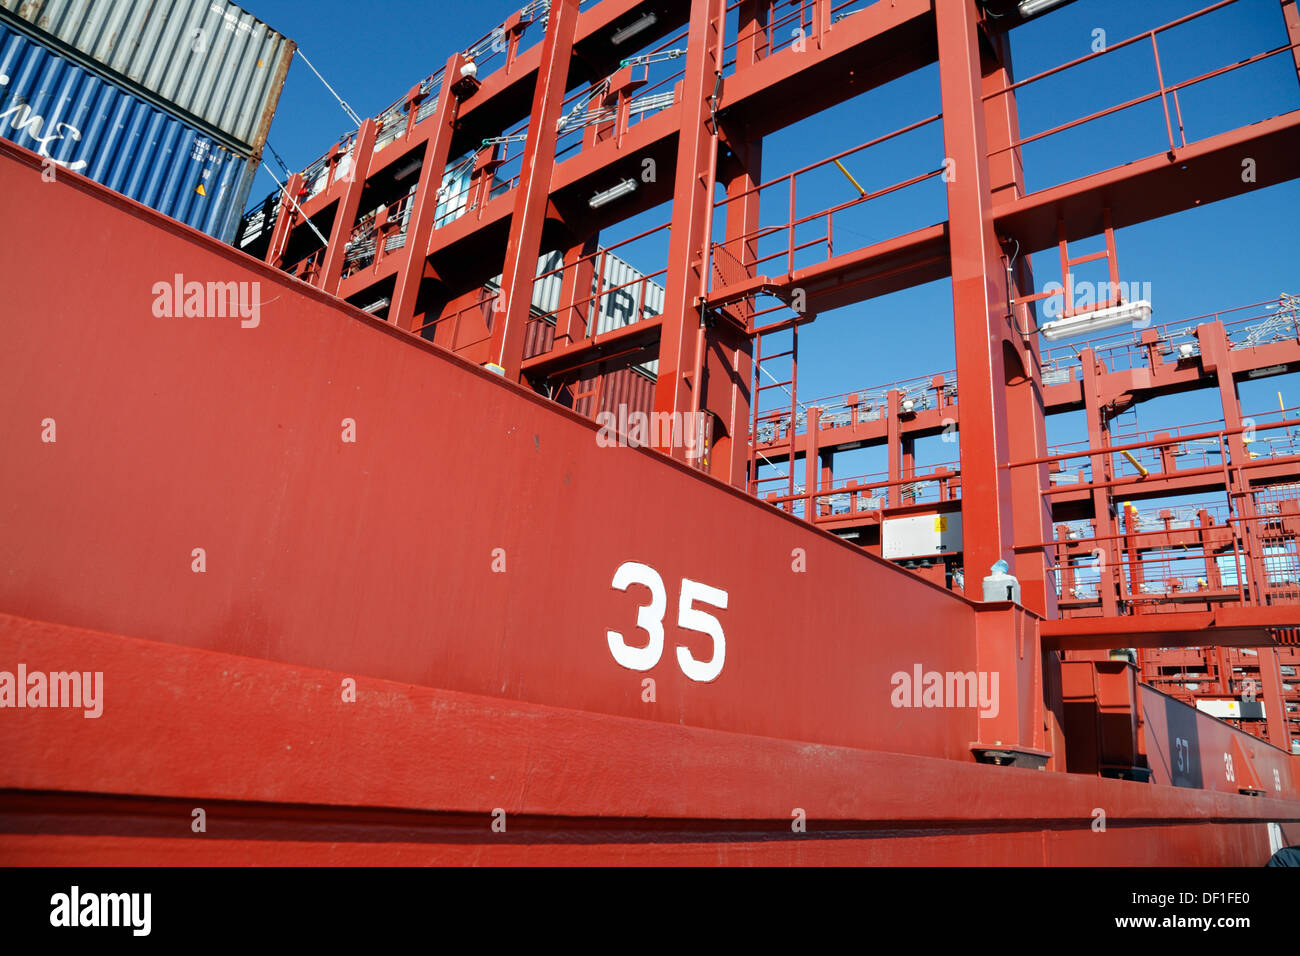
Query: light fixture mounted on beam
(409,168)
(632,29)
(1138,313)
(1031,8)
(614,192)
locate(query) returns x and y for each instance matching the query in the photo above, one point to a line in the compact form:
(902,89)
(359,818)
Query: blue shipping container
(83,122)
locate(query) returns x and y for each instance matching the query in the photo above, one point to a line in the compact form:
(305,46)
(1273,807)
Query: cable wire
(292,202)
(352,115)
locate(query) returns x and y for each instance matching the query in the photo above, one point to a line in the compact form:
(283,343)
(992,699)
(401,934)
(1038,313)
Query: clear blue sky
(1209,258)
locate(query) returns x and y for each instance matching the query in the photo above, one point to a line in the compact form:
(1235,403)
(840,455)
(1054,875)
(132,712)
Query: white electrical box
(1228,707)
(921,536)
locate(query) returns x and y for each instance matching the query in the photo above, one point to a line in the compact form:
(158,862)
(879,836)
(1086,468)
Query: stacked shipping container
(169,104)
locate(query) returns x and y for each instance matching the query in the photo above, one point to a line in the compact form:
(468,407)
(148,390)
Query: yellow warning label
(200,190)
(940,524)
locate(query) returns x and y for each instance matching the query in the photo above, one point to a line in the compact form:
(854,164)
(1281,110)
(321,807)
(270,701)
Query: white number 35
(650,618)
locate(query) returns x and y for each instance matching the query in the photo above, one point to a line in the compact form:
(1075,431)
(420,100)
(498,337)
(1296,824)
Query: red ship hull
(397,649)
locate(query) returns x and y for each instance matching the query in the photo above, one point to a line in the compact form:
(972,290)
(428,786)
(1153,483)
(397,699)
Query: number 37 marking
(650,618)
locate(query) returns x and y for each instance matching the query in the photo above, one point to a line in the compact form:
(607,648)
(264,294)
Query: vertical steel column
(826,479)
(533,196)
(1275,716)
(730,455)
(1105,526)
(689,244)
(751,32)
(794,405)
(1027,436)
(733,359)
(345,216)
(811,463)
(424,205)
(1291,14)
(978,297)
(894,447)
(1216,360)
(286,217)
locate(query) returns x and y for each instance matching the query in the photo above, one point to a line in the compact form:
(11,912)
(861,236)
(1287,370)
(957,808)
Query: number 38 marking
(650,618)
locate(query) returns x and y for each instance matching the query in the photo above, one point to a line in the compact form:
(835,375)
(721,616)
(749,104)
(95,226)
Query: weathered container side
(78,120)
(209,59)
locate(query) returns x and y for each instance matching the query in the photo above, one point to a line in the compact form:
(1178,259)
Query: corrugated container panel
(539,337)
(618,308)
(626,386)
(209,58)
(81,121)
(546,288)
(639,299)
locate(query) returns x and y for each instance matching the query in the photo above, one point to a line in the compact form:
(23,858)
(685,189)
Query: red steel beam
(349,203)
(730,461)
(1229,626)
(693,198)
(284,220)
(424,205)
(1027,431)
(532,195)
(1202,172)
(1291,16)
(978,293)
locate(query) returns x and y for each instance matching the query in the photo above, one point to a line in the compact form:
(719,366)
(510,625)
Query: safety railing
(788,245)
(1245,549)
(1133,476)
(618,294)
(1259,323)
(469,325)
(1166,93)
(779,28)
(862,405)
(610,113)
(377,234)
(1174,451)
(1215,559)
(490,50)
(462,192)
(308,267)
(791,28)
(846,497)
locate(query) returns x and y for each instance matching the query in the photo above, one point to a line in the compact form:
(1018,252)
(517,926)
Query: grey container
(208,59)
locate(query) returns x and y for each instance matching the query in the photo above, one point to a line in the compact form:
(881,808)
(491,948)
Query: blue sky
(1213,257)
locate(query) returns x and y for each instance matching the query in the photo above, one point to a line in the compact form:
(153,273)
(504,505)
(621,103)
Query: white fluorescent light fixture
(375,306)
(632,29)
(1266,372)
(408,169)
(1138,313)
(614,192)
(1031,8)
